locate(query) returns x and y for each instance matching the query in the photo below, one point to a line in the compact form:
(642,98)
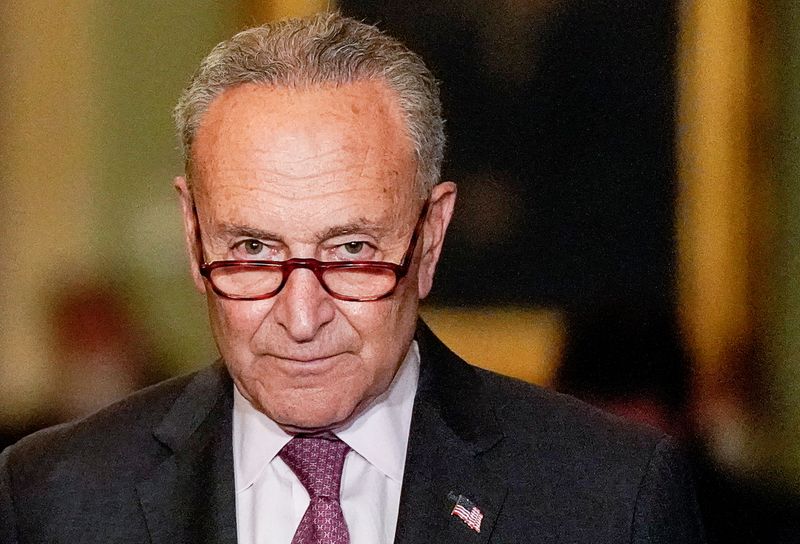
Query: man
(314,221)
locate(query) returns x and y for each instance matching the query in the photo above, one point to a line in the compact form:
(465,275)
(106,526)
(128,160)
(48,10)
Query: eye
(354,248)
(252,246)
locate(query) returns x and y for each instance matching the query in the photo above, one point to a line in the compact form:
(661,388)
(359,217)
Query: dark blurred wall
(560,125)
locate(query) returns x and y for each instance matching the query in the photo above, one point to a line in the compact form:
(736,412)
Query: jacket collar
(453,426)
(189,497)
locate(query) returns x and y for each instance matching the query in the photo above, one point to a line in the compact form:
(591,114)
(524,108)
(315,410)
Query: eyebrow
(360,226)
(232,230)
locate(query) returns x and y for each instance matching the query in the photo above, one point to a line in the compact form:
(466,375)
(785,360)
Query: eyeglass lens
(256,281)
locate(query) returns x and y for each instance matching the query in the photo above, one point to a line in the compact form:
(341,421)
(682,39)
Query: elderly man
(314,218)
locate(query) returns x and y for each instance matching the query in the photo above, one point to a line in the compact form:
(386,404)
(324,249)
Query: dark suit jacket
(541,467)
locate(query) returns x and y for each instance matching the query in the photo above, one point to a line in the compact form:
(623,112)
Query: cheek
(385,329)
(375,320)
(234,323)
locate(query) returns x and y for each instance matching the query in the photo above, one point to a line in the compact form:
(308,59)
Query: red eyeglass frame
(317,267)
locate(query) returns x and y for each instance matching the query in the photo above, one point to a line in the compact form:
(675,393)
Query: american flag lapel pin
(466,511)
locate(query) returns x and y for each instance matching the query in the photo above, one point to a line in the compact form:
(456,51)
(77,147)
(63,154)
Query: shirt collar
(379,434)
(256,441)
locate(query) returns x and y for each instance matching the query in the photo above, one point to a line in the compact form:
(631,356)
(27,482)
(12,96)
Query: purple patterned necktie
(317,461)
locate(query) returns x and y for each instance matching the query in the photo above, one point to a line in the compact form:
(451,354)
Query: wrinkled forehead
(300,132)
(322,148)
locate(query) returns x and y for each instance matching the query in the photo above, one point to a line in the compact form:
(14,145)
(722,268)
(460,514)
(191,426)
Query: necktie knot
(317,461)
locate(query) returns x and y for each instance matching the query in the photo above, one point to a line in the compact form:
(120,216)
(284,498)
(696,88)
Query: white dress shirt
(270,500)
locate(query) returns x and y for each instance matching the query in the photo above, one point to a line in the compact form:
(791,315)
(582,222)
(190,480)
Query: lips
(308,364)
(306,358)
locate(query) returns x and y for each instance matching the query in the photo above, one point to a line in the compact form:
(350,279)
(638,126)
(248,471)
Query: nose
(303,306)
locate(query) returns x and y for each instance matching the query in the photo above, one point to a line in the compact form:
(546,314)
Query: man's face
(324,173)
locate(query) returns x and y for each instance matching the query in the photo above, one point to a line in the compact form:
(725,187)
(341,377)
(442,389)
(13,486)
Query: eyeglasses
(357,281)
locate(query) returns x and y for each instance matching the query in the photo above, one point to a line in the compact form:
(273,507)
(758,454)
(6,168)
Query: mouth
(309,364)
(306,358)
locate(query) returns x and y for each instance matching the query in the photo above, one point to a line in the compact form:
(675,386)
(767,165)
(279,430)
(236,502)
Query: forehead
(314,149)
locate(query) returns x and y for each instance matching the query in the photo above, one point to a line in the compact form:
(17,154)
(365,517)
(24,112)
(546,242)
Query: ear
(440,211)
(190,227)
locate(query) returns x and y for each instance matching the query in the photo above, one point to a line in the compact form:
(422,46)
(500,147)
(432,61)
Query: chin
(312,415)
(310,424)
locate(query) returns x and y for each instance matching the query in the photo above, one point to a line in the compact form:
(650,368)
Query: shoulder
(527,416)
(82,478)
(564,422)
(116,438)
(633,478)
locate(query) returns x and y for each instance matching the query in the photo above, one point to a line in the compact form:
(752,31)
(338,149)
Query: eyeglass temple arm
(409,256)
(199,254)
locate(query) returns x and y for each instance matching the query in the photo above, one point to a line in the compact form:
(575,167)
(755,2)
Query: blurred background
(628,225)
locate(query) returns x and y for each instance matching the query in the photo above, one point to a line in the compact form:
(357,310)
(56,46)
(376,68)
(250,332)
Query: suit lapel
(190,496)
(452,426)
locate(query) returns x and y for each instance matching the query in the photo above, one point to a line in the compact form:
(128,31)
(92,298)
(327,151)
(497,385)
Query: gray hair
(322,49)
